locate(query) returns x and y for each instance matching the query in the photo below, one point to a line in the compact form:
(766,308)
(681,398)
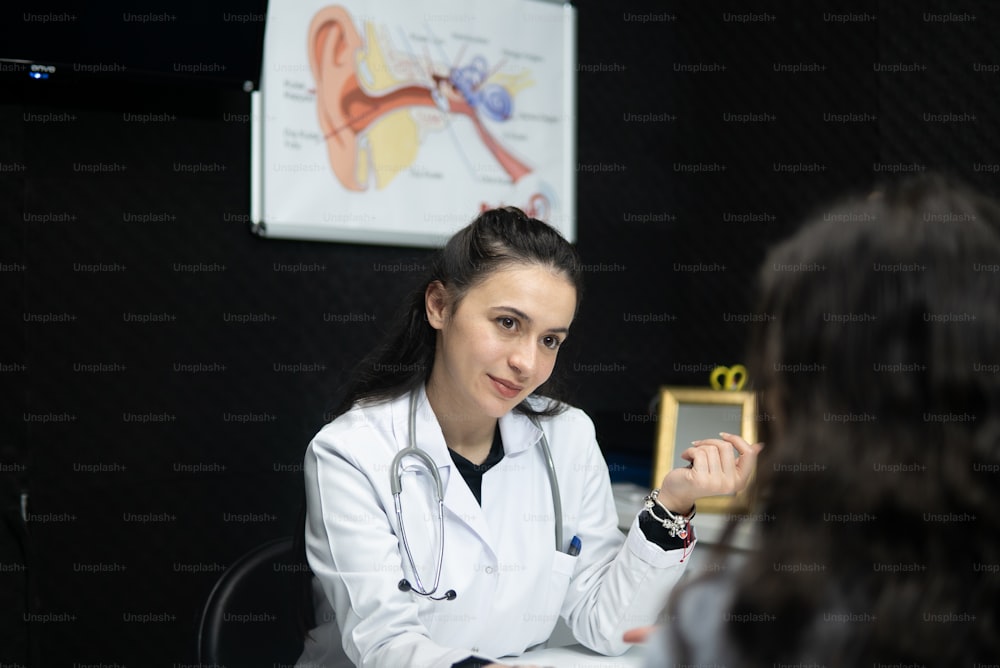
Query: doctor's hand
(713,470)
(640,634)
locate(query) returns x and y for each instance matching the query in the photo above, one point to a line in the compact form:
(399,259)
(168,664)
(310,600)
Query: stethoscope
(395,481)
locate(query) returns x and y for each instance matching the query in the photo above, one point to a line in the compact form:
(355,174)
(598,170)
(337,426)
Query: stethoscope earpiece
(450,595)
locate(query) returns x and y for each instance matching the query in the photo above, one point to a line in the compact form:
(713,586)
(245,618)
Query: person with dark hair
(456,509)
(876,512)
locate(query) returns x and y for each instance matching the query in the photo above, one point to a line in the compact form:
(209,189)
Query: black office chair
(253,616)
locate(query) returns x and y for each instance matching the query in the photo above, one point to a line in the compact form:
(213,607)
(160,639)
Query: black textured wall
(163,368)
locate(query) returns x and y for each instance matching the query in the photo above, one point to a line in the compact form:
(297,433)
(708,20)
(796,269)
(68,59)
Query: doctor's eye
(551,342)
(506,322)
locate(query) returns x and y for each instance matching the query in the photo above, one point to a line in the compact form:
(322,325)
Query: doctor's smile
(509,390)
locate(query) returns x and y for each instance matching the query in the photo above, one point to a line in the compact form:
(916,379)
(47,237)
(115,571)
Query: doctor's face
(501,342)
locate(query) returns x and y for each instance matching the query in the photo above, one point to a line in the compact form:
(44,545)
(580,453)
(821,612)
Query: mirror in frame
(688,414)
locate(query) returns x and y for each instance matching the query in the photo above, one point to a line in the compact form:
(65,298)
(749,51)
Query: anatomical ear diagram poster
(398,121)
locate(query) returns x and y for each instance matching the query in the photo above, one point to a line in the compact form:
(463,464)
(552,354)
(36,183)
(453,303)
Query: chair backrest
(251,617)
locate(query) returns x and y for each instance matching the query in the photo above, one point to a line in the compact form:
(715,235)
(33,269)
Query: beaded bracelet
(676,525)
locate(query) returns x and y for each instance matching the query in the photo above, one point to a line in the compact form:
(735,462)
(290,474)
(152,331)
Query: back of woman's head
(876,365)
(497,239)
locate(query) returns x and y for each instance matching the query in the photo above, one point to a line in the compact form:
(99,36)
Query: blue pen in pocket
(574,546)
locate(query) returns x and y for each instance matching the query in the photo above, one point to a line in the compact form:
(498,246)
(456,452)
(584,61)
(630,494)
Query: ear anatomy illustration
(376,103)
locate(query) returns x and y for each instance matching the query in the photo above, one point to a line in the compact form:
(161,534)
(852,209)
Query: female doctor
(455,509)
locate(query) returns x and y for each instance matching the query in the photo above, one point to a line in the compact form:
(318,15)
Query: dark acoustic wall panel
(180,40)
(163,369)
(709,132)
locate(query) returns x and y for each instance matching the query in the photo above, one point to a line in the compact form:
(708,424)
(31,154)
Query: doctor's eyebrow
(527,318)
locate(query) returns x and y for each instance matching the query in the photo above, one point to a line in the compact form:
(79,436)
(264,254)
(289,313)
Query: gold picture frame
(689,413)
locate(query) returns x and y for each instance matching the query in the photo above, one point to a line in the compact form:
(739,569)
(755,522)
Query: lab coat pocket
(563,566)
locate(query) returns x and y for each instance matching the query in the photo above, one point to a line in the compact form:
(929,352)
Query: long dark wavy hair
(495,240)
(877,490)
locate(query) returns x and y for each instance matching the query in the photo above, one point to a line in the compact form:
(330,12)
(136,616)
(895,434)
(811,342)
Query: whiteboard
(397,122)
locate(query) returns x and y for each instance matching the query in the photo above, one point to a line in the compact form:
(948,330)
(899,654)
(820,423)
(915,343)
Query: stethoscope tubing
(396,485)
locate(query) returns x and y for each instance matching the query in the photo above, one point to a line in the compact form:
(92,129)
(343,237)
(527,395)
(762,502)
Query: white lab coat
(500,558)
